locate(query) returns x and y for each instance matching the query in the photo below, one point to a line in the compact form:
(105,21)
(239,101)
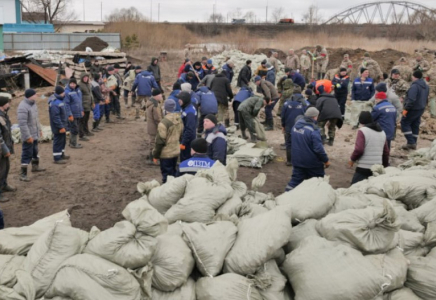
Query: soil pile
(95,43)
(268,51)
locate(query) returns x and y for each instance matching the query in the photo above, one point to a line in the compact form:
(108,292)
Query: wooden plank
(84,53)
(48,75)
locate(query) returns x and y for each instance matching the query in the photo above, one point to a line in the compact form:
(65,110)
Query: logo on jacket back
(199,164)
(300,131)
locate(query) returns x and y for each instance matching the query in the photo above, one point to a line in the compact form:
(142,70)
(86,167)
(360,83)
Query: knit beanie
(342,70)
(257,78)
(29,93)
(312,112)
(363,70)
(3,100)
(209,62)
(199,146)
(186,87)
(381,96)
(110,68)
(248,62)
(212,118)
(170,105)
(395,71)
(176,86)
(308,92)
(59,90)
(417,74)
(381,87)
(297,89)
(365,118)
(138,68)
(72,80)
(156,92)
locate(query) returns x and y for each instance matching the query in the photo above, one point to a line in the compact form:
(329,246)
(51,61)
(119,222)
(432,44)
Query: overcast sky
(199,10)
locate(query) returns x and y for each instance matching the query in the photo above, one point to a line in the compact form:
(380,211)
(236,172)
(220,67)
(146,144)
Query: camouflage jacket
(288,89)
(373,67)
(322,55)
(405,72)
(422,65)
(169,132)
(347,64)
(305,62)
(398,86)
(293,62)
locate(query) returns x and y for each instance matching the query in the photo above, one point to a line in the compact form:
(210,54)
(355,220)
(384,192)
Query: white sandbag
(239,188)
(174,229)
(18,240)
(413,243)
(145,217)
(353,200)
(7,293)
(250,210)
(204,194)
(123,245)
(144,277)
(408,220)
(353,110)
(9,264)
(258,240)
(210,244)
(276,289)
(320,269)
(228,286)
(299,233)
(185,292)
(260,130)
(421,277)
(371,230)
(90,277)
(166,195)
(392,265)
(257,197)
(172,262)
(401,294)
(432,253)
(426,213)
(49,252)
(230,207)
(312,199)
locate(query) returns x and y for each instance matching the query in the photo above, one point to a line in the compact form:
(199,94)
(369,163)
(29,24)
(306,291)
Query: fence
(55,41)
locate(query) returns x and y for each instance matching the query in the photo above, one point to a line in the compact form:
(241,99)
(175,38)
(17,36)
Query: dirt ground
(100,179)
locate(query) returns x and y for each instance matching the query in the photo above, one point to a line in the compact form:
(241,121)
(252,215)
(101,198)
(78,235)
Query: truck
(238,21)
(286,21)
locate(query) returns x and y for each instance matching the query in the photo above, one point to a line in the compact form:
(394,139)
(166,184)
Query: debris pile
(210,237)
(95,43)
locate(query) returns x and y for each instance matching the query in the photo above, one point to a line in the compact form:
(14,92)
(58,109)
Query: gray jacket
(28,120)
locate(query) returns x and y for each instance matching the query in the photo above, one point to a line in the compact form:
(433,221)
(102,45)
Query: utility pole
(158,12)
(101,11)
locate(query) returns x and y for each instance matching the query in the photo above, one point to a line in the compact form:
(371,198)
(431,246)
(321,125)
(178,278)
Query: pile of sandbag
(353,110)
(47,134)
(253,155)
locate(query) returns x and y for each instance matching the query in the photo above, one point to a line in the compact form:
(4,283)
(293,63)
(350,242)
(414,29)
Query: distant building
(10,11)
(78,26)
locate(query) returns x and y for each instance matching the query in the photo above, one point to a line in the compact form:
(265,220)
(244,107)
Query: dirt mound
(267,52)
(94,43)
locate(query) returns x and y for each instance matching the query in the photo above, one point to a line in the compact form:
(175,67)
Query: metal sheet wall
(54,41)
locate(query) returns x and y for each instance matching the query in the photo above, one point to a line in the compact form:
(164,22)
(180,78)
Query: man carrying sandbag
(199,160)
(248,111)
(309,158)
(167,148)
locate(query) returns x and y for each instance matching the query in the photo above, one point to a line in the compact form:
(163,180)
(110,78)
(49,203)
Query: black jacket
(244,76)
(417,96)
(154,68)
(328,108)
(6,133)
(221,88)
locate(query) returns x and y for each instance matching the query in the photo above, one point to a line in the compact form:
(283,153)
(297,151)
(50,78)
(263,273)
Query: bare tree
(277,14)
(250,17)
(237,14)
(50,10)
(216,18)
(131,14)
(312,16)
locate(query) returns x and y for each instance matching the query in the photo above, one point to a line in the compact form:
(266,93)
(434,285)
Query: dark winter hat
(116,66)
(110,68)
(156,92)
(381,87)
(287,70)
(248,62)
(312,112)
(365,118)
(177,86)
(187,59)
(29,93)
(395,71)
(342,70)
(3,100)
(209,62)
(363,70)
(199,146)
(138,68)
(204,58)
(257,78)
(185,97)
(59,90)
(170,105)
(72,80)
(297,89)
(308,92)
(190,75)
(96,77)
(417,74)
(212,118)
(263,62)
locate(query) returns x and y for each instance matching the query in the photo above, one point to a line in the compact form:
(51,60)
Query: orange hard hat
(327,85)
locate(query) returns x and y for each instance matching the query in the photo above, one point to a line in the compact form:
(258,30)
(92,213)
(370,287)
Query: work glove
(405,113)
(29,140)
(314,58)
(71,118)
(7,154)
(155,161)
(338,86)
(62,130)
(350,164)
(326,165)
(182,147)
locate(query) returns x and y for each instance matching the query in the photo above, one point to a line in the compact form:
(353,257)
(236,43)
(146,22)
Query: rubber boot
(35,166)
(150,158)
(94,126)
(330,142)
(244,135)
(60,162)
(23,174)
(65,156)
(253,138)
(84,138)
(8,188)
(73,142)
(98,126)
(3,199)
(324,139)
(227,123)
(288,157)
(269,125)
(108,120)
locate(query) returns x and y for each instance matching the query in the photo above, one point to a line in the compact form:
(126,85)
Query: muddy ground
(100,179)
